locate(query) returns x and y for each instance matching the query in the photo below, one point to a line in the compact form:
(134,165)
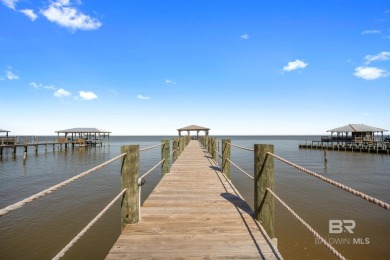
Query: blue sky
(238,67)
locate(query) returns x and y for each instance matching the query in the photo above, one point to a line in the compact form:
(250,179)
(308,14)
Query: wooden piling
(175,152)
(325,156)
(264,178)
(214,153)
(129,181)
(165,154)
(225,157)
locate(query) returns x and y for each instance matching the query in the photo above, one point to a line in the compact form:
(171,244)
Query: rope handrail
(316,235)
(243,148)
(150,147)
(90,224)
(21,203)
(247,174)
(173,151)
(154,167)
(334,183)
(220,155)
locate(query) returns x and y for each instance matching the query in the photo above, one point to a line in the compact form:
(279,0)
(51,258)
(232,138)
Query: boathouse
(83,136)
(5,140)
(196,128)
(356,133)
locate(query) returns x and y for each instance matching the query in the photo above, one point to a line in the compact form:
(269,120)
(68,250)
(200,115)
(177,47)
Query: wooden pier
(194,212)
(375,148)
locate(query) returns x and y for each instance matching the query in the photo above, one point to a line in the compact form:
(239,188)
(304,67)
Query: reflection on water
(42,228)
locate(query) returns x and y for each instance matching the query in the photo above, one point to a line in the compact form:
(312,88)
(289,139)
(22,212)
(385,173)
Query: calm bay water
(42,228)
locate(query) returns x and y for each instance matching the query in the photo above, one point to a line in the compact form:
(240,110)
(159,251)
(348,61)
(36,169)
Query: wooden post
(264,178)
(214,150)
(25,154)
(129,181)
(325,156)
(225,156)
(165,150)
(181,145)
(174,148)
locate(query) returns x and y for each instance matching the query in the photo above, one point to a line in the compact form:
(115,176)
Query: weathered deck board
(194,212)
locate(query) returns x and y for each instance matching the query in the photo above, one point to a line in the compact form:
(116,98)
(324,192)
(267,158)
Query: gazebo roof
(193,128)
(357,128)
(83,130)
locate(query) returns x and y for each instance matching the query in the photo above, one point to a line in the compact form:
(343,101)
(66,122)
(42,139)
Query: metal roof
(4,131)
(193,128)
(357,128)
(82,130)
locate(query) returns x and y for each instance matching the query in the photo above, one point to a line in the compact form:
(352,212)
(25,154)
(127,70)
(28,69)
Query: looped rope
(55,187)
(329,246)
(337,184)
(82,232)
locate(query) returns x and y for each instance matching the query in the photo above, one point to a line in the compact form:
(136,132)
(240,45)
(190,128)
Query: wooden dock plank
(194,212)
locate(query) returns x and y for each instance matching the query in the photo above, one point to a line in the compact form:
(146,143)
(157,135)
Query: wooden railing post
(214,153)
(181,144)
(175,151)
(225,156)
(129,181)
(264,178)
(165,150)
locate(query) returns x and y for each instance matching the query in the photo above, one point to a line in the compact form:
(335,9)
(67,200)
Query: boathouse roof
(357,128)
(193,128)
(83,130)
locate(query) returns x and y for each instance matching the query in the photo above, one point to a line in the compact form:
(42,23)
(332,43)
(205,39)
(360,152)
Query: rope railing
(150,147)
(21,203)
(90,224)
(173,151)
(240,147)
(219,154)
(334,183)
(247,174)
(154,167)
(318,236)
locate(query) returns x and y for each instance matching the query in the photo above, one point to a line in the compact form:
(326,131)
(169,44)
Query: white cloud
(371,32)
(62,13)
(244,36)
(370,73)
(49,87)
(87,95)
(10,3)
(10,74)
(35,85)
(29,13)
(170,82)
(366,114)
(143,97)
(294,65)
(62,93)
(384,55)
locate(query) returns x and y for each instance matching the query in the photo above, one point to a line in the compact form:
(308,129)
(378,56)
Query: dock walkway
(194,212)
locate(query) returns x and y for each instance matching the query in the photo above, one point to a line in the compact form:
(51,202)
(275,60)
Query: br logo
(337,226)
